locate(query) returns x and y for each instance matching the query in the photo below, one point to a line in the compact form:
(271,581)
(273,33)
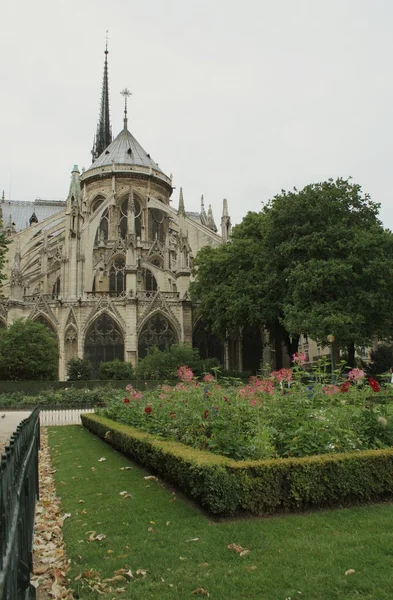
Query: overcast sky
(237,99)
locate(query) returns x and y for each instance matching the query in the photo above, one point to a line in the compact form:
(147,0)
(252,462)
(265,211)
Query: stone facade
(109,271)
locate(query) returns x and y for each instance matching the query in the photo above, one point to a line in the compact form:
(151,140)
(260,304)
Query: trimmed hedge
(225,487)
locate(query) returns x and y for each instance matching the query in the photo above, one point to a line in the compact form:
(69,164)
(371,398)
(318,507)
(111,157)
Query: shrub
(79,369)
(225,487)
(28,351)
(116,369)
(381,359)
(163,364)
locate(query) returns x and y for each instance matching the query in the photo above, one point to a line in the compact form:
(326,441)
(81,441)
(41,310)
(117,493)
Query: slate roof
(21,211)
(125,150)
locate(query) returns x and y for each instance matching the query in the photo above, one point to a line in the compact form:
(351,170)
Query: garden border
(225,487)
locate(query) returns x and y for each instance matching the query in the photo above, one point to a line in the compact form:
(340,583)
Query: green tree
(115,369)
(28,351)
(316,261)
(79,369)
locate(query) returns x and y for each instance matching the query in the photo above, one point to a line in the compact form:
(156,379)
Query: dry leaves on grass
(201,592)
(239,549)
(50,561)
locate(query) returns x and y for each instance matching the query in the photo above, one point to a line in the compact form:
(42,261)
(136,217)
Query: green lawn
(293,556)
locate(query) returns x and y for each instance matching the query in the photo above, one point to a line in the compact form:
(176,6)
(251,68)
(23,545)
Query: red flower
(126,400)
(205,414)
(226,399)
(172,414)
(374,385)
(345,386)
(148,410)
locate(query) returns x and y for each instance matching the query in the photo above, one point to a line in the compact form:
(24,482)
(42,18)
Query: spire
(203,215)
(210,219)
(181,210)
(226,226)
(125,93)
(104,131)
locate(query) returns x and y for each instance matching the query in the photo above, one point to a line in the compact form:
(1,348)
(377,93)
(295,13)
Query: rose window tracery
(158,331)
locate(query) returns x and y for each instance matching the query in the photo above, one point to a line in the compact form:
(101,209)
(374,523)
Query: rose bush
(275,416)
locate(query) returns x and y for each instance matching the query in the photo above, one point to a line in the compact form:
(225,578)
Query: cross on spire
(126,94)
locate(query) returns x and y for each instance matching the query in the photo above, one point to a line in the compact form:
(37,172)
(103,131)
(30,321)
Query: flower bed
(224,486)
(275,416)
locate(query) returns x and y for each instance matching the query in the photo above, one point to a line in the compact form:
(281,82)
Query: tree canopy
(28,351)
(316,261)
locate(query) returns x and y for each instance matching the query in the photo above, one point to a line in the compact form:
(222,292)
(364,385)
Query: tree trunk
(351,354)
(291,344)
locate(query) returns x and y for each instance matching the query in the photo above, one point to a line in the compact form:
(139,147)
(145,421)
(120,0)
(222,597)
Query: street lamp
(330,339)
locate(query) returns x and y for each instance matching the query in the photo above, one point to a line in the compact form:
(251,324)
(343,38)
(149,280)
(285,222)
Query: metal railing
(18,495)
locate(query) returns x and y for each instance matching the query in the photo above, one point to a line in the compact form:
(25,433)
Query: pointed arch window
(159,332)
(117,276)
(56,287)
(104,342)
(123,219)
(156,224)
(150,282)
(103,229)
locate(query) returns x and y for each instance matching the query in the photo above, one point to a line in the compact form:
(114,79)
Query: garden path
(9,421)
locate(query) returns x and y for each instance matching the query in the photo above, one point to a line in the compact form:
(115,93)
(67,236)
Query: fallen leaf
(253,568)
(203,565)
(127,574)
(150,529)
(100,537)
(150,477)
(142,572)
(201,592)
(125,494)
(182,558)
(239,549)
(126,468)
(81,501)
(65,516)
(350,572)
(193,540)
(101,459)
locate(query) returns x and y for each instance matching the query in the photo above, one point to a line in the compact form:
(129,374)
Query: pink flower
(299,358)
(129,388)
(185,374)
(330,389)
(356,374)
(208,378)
(282,375)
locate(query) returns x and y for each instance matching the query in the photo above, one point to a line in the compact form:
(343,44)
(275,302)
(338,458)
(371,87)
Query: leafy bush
(274,416)
(381,358)
(163,365)
(79,369)
(28,351)
(115,369)
(225,487)
(68,397)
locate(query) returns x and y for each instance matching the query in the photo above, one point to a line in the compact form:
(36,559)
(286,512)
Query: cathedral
(108,270)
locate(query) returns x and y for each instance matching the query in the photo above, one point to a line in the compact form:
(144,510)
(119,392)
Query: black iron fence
(18,495)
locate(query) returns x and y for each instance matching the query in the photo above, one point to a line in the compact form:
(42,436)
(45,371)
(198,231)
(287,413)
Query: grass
(303,556)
